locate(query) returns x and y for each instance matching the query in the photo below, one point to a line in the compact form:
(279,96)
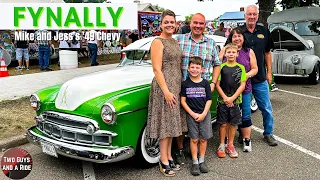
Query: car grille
(280,66)
(72,129)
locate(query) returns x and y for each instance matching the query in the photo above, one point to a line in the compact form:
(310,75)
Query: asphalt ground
(297,123)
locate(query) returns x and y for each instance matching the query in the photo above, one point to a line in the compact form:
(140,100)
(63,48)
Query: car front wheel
(314,77)
(148,151)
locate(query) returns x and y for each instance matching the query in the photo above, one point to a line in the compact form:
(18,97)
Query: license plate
(300,71)
(49,149)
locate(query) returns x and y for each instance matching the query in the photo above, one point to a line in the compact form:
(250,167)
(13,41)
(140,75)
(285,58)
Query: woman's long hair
(238,30)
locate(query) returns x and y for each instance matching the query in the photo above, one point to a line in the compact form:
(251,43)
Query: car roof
(145,43)
(299,14)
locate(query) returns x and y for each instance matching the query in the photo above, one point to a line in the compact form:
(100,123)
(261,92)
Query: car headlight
(108,113)
(295,59)
(35,102)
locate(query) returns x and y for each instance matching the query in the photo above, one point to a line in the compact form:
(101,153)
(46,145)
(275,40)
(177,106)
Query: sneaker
(48,69)
(173,165)
(18,68)
(203,167)
(180,159)
(27,69)
(195,170)
(247,145)
(221,151)
(270,140)
(232,152)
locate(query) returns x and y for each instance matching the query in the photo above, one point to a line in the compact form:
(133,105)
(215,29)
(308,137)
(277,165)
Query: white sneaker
(247,145)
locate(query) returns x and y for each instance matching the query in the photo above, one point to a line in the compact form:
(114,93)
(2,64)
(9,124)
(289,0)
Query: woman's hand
(170,99)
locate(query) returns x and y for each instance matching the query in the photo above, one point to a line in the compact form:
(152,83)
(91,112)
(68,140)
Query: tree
(287,4)
(265,9)
(188,18)
(158,8)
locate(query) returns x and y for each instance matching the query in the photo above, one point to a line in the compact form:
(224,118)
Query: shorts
(230,115)
(202,130)
(22,52)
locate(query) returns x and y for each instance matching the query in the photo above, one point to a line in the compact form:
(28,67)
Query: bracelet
(213,83)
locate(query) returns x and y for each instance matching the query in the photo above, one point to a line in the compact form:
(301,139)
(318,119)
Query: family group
(181,91)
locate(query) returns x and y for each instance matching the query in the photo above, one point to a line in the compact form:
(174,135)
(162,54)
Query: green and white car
(101,117)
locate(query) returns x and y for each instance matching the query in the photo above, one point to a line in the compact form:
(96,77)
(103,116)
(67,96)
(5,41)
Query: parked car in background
(101,117)
(297,43)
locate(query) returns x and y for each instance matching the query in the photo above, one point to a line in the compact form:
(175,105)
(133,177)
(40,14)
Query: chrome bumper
(97,155)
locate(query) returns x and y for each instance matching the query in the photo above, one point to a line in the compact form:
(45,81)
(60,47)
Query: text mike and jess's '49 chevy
(101,117)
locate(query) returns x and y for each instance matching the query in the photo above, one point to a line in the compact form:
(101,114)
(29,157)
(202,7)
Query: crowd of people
(180,95)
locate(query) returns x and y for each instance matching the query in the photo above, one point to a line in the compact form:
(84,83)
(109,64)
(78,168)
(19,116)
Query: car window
(135,55)
(288,25)
(307,28)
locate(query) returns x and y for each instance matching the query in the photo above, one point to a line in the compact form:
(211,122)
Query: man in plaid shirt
(196,44)
(44,46)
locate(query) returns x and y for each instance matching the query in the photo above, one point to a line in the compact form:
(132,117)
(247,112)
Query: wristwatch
(213,83)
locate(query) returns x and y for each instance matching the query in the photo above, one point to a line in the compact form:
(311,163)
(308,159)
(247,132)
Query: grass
(83,62)
(16,117)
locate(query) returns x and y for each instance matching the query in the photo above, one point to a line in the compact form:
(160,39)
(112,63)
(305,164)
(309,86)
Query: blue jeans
(246,106)
(93,49)
(261,94)
(44,55)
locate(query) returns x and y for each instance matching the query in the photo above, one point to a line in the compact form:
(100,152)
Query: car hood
(76,91)
(282,33)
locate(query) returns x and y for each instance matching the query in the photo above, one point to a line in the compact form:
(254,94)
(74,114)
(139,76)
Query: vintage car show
(150,89)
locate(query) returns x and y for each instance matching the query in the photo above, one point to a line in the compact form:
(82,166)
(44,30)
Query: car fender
(308,62)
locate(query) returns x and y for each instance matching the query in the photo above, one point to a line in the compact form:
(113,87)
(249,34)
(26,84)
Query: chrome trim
(104,155)
(76,140)
(127,112)
(81,131)
(38,99)
(213,120)
(290,75)
(74,118)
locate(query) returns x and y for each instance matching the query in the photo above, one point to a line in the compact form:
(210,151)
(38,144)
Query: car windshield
(307,28)
(136,57)
(288,25)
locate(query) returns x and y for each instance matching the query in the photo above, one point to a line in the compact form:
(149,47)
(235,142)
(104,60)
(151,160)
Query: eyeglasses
(252,14)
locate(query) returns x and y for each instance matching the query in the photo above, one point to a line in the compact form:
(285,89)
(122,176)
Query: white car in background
(138,53)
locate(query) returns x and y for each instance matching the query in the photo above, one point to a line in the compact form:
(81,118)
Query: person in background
(22,53)
(44,46)
(92,45)
(186,28)
(134,36)
(220,31)
(228,32)
(261,42)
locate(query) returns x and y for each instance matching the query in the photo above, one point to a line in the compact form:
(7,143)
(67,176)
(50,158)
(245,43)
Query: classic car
(101,117)
(297,43)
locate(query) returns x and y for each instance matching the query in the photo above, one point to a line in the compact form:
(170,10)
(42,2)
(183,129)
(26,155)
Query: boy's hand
(201,117)
(229,101)
(196,116)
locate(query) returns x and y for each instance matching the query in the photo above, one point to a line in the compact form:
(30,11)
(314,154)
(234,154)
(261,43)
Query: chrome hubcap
(152,147)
